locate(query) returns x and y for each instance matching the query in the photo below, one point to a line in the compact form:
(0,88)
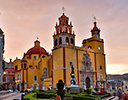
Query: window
(13,78)
(24,65)
(72,41)
(55,42)
(100,67)
(35,57)
(67,40)
(43,56)
(89,47)
(35,67)
(60,41)
(18,77)
(21,65)
(30,65)
(35,78)
(16,67)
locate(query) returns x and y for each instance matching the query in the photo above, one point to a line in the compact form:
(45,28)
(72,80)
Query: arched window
(69,31)
(66,21)
(72,41)
(67,40)
(24,65)
(16,67)
(89,47)
(30,65)
(21,65)
(60,41)
(35,58)
(55,42)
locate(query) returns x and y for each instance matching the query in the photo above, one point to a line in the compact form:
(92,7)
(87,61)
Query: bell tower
(63,36)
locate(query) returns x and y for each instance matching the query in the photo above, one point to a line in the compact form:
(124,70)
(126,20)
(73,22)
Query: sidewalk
(111,98)
(3,91)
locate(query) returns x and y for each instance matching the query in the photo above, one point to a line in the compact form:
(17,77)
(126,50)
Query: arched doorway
(87,82)
(35,86)
(18,87)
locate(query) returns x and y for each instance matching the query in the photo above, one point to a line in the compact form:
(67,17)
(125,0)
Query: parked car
(10,90)
(27,90)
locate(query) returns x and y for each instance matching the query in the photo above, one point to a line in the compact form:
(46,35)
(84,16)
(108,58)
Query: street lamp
(5,73)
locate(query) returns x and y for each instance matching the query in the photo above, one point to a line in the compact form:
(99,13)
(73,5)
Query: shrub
(68,90)
(96,88)
(88,91)
(80,90)
(41,90)
(85,90)
(45,95)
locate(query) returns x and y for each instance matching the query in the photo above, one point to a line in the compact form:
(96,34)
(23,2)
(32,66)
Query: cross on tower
(63,9)
(94,18)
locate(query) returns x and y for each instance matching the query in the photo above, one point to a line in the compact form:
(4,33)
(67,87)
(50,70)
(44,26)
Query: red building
(9,79)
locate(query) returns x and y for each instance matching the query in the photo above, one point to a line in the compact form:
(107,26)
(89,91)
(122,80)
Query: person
(119,93)
(123,92)
(48,88)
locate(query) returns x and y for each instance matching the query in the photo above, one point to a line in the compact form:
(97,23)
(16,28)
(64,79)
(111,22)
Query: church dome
(37,49)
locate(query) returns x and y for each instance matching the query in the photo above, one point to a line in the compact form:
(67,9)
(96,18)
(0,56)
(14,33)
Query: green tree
(60,91)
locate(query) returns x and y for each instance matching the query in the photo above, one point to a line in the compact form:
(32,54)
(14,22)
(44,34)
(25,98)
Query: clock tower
(96,44)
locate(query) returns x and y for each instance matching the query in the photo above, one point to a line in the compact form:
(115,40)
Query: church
(38,69)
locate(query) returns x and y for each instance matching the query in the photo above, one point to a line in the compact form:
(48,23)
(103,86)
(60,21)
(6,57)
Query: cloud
(24,20)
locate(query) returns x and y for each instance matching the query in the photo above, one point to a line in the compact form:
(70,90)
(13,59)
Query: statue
(72,81)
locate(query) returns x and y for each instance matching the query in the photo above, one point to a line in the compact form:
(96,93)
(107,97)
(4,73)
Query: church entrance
(18,87)
(35,86)
(87,82)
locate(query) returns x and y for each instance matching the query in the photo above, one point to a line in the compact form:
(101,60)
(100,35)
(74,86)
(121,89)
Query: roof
(24,60)
(95,27)
(37,50)
(9,70)
(64,16)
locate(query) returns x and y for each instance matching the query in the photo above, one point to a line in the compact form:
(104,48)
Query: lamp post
(5,73)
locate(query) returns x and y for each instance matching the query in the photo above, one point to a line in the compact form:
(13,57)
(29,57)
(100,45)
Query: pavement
(5,95)
(3,91)
(111,98)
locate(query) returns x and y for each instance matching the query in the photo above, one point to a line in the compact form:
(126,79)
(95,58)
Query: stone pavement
(116,98)
(3,92)
(10,96)
(111,98)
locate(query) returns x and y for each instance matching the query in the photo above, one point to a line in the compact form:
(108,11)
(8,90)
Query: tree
(60,91)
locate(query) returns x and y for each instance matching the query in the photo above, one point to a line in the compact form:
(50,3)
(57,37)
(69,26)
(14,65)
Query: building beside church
(9,79)
(38,69)
(1,57)
(8,64)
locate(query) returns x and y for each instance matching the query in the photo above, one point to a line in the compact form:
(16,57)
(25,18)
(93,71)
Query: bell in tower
(64,36)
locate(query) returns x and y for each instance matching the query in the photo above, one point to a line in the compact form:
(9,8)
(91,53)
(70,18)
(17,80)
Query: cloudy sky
(24,20)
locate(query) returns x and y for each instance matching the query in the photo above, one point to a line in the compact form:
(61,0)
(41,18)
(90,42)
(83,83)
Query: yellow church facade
(38,69)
